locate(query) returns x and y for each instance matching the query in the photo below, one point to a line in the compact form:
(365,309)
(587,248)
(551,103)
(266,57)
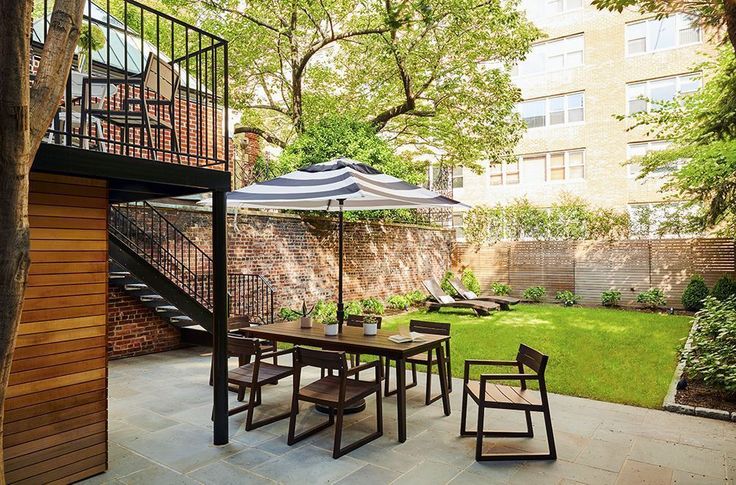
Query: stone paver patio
(160,433)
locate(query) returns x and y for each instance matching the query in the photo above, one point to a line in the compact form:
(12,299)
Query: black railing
(145,230)
(143,84)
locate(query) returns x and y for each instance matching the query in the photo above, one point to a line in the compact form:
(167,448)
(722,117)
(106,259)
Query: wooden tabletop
(350,340)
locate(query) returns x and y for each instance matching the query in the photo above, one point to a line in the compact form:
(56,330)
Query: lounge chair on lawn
(443,300)
(465,294)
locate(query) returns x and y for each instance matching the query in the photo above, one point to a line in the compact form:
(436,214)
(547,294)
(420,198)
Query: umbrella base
(354,408)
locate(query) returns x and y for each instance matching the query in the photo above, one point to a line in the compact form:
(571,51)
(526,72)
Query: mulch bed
(699,395)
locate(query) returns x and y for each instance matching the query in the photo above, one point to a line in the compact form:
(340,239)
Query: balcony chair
(428,359)
(465,294)
(443,300)
(496,396)
(333,391)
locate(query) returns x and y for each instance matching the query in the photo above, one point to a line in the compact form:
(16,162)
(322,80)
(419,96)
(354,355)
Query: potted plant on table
(330,325)
(370,325)
(305,320)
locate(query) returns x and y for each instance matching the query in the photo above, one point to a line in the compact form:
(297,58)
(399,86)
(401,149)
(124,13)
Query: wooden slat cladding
(56,408)
(591,267)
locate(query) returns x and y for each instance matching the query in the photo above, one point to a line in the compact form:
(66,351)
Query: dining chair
(335,392)
(357,321)
(238,326)
(428,359)
(488,395)
(253,376)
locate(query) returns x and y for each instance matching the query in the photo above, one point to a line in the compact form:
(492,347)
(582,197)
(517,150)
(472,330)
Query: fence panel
(542,263)
(601,266)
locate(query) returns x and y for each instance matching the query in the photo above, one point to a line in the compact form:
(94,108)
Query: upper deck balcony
(143,85)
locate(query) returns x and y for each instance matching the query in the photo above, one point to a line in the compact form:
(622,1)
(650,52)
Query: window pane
(574,59)
(689,31)
(689,84)
(497,179)
(637,46)
(554,6)
(575,158)
(575,115)
(636,31)
(556,110)
(557,160)
(496,169)
(634,169)
(577,172)
(534,62)
(533,113)
(661,33)
(555,62)
(637,105)
(512,178)
(573,44)
(573,4)
(534,169)
(575,100)
(575,108)
(662,90)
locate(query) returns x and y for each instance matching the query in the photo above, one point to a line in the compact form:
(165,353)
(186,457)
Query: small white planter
(306,322)
(370,329)
(331,330)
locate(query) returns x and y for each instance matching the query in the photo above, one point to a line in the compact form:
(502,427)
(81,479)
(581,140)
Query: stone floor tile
(223,473)
(149,421)
(638,473)
(250,457)
(604,454)
(157,475)
(428,472)
(308,464)
(701,461)
(686,478)
(370,475)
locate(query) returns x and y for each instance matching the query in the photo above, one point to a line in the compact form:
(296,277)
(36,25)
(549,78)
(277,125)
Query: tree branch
(246,16)
(269,137)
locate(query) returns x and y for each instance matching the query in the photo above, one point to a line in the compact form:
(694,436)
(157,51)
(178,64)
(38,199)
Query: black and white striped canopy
(321,186)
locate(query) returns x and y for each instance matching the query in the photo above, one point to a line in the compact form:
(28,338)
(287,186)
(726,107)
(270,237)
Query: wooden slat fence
(591,267)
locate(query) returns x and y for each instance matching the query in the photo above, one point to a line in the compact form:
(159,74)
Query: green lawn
(610,355)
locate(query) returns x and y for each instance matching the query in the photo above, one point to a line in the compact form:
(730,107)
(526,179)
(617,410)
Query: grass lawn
(606,354)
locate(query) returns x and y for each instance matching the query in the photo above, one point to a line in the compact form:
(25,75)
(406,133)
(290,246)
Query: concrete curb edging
(669,403)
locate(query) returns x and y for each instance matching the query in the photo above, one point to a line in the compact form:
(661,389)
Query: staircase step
(136,286)
(166,308)
(182,321)
(119,275)
(153,297)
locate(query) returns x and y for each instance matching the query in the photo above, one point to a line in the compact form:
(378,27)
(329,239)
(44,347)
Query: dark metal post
(219,313)
(340,305)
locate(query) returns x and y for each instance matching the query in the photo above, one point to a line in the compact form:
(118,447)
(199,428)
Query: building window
(506,173)
(660,34)
(640,149)
(457,224)
(555,110)
(646,95)
(553,55)
(538,9)
(553,166)
(457,177)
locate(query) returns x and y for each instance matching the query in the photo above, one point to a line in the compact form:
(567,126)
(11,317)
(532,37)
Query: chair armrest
(470,362)
(277,353)
(363,367)
(509,377)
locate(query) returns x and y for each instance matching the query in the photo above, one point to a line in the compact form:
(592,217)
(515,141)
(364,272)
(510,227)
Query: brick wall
(134,329)
(299,255)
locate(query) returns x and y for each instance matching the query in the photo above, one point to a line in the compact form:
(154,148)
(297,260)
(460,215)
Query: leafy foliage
(500,289)
(469,280)
(711,356)
(570,218)
(694,294)
(372,306)
(325,312)
(445,283)
(610,297)
(724,288)
(398,302)
(416,297)
(534,294)
(288,314)
(567,298)
(652,298)
(353,308)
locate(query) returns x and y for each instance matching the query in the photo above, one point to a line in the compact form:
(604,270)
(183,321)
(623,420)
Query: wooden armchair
(357,321)
(335,392)
(254,375)
(238,326)
(489,395)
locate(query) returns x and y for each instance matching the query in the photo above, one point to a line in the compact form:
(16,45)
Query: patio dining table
(352,340)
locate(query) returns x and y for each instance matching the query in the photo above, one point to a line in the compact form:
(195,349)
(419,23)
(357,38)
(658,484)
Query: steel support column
(220,313)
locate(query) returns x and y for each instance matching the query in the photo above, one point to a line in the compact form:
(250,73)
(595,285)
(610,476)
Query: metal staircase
(154,261)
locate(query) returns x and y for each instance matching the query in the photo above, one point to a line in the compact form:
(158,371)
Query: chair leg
(293,437)
(338,431)
(529,427)
(386,391)
(464,415)
(337,451)
(550,435)
(479,434)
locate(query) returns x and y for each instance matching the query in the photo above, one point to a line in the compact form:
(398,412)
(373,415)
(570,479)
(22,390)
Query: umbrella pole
(340,305)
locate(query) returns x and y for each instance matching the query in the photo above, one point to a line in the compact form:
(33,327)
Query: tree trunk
(729,10)
(18,145)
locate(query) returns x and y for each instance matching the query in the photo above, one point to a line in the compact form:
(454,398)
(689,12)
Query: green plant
(90,40)
(288,314)
(500,289)
(325,311)
(445,283)
(353,308)
(372,306)
(694,294)
(469,280)
(724,288)
(567,298)
(611,297)
(651,298)
(416,297)
(711,356)
(534,294)
(398,302)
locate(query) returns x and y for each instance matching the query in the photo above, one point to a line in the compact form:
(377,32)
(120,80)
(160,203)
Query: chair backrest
(432,328)
(161,78)
(238,322)
(458,285)
(533,359)
(324,359)
(436,291)
(358,320)
(242,346)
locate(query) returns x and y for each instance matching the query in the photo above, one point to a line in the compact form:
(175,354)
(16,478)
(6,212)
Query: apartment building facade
(591,66)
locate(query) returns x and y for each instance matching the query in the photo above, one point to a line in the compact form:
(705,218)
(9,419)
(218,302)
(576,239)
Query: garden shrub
(567,298)
(534,293)
(445,283)
(500,289)
(372,306)
(353,308)
(694,294)
(416,297)
(611,297)
(325,311)
(651,298)
(724,288)
(288,314)
(711,356)
(470,281)
(398,302)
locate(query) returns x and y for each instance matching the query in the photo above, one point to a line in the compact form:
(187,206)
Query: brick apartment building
(591,66)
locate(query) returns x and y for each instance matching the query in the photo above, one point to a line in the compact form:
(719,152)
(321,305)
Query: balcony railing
(143,84)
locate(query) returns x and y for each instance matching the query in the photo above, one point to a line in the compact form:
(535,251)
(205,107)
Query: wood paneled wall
(56,407)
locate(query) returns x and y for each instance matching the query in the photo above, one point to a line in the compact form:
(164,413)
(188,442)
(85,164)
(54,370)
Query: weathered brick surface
(299,255)
(134,329)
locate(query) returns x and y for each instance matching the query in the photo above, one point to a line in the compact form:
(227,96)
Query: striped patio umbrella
(337,185)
